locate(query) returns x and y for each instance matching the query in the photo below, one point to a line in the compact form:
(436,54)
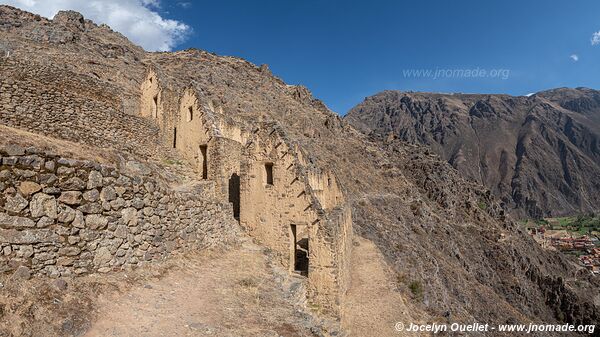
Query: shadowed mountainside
(540,155)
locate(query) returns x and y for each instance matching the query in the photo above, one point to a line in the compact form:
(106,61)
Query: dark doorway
(155,106)
(190,115)
(204,161)
(174,138)
(234,194)
(269,173)
(300,242)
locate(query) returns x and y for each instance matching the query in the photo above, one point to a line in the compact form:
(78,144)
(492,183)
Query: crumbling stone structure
(249,172)
(294,208)
(49,100)
(66,217)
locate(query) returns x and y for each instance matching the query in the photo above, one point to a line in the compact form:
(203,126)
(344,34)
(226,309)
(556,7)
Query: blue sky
(344,51)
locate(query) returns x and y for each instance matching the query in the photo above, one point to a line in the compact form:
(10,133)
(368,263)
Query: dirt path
(372,306)
(234,293)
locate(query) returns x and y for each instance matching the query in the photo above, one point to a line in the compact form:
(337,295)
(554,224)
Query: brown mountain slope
(438,232)
(540,154)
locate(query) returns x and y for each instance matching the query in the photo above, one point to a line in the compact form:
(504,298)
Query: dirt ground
(228,292)
(233,292)
(373,306)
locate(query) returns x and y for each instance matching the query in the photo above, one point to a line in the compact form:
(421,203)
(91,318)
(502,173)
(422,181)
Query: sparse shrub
(400,279)
(560,316)
(248,282)
(416,288)
(172,162)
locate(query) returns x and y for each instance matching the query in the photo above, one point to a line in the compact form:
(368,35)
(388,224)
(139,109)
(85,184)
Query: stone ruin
(278,197)
(62,217)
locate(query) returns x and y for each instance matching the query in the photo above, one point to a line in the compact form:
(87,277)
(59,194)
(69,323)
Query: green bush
(416,288)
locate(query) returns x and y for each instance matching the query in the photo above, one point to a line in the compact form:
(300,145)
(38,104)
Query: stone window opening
(204,161)
(190,114)
(300,251)
(151,79)
(174,138)
(155,106)
(269,174)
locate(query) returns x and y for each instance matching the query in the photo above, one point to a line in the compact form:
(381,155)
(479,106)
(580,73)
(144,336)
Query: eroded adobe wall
(331,245)
(54,102)
(60,216)
(311,200)
(326,189)
(226,156)
(197,128)
(160,104)
(151,98)
(191,130)
(269,210)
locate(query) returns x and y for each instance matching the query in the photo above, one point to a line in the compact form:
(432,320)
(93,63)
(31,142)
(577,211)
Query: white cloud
(135,19)
(184,4)
(574,57)
(595,38)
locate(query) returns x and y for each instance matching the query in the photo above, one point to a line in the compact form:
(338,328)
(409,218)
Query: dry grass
(61,147)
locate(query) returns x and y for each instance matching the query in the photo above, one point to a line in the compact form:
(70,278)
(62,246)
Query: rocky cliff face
(540,155)
(440,233)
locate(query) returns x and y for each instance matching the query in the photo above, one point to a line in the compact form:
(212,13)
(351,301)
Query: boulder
(7,221)
(91,208)
(102,257)
(44,222)
(78,221)
(28,188)
(94,180)
(70,197)
(108,193)
(66,215)
(73,184)
(15,204)
(27,237)
(22,273)
(43,204)
(91,195)
(69,251)
(96,221)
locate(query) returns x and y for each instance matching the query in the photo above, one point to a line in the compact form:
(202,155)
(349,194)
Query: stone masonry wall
(44,99)
(60,216)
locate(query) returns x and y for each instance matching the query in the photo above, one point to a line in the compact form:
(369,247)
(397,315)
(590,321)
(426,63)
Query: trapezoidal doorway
(155,106)
(300,253)
(203,161)
(234,194)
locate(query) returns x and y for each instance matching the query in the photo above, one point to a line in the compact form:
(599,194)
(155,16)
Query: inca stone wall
(61,217)
(44,99)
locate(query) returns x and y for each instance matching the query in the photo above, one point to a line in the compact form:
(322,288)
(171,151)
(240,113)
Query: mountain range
(538,154)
